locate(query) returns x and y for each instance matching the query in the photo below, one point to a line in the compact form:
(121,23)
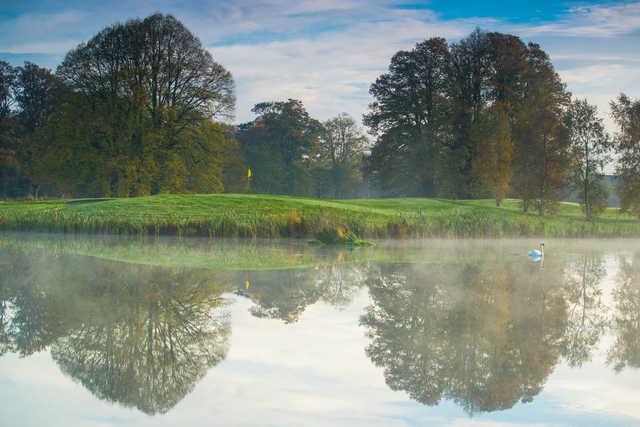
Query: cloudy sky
(327,52)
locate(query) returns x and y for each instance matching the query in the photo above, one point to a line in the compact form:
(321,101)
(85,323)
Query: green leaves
(433,117)
(590,149)
(626,113)
(280,146)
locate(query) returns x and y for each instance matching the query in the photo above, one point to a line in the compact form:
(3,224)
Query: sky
(327,52)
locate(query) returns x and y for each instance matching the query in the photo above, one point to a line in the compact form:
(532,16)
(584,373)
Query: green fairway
(229,215)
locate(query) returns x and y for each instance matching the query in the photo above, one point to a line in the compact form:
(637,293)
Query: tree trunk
(544,178)
(587,205)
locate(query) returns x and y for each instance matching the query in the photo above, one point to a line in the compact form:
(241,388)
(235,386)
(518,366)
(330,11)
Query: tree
(541,156)
(137,117)
(341,149)
(157,62)
(408,119)
(470,71)
(234,173)
(492,163)
(37,94)
(9,144)
(507,70)
(7,87)
(626,113)
(589,149)
(280,145)
(445,118)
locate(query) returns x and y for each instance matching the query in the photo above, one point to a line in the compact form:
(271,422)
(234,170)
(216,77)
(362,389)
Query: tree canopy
(129,112)
(143,108)
(481,116)
(626,113)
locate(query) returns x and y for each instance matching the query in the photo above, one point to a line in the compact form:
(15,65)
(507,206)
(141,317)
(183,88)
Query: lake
(105,331)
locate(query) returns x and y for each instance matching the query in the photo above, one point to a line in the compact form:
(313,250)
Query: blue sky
(327,52)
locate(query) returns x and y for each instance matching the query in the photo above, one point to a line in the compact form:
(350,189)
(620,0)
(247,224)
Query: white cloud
(41,47)
(41,33)
(602,82)
(327,53)
(596,57)
(592,21)
(331,72)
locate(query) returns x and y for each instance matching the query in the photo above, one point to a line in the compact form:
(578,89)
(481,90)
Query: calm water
(108,332)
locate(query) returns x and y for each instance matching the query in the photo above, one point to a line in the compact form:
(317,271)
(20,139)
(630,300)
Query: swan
(537,255)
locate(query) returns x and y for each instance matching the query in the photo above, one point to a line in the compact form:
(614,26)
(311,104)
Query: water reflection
(138,335)
(285,294)
(626,322)
(484,329)
(483,335)
(586,320)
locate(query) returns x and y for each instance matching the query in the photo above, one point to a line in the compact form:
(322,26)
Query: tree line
(142,108)
(490,117)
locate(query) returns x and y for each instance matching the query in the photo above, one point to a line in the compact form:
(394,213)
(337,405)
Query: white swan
(537,255)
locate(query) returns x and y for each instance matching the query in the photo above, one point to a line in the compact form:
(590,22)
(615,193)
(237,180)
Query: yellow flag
(249,173)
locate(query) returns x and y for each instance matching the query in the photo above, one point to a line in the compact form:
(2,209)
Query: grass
(229,215)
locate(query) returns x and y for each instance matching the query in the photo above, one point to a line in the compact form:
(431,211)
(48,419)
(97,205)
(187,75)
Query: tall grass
(258,216)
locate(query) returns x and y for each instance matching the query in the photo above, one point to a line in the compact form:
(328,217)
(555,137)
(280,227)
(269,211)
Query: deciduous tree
(492,163)
(626,113)
(408,118)
(341,148)
(541,155)
(280,145)
(589,152)
(138,118)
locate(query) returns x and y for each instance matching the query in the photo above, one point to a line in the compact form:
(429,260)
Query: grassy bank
(228,215)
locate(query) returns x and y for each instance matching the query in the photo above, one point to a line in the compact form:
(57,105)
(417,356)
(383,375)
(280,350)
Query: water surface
(98,331)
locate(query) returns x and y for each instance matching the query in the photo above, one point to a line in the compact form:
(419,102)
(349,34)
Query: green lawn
(232,215)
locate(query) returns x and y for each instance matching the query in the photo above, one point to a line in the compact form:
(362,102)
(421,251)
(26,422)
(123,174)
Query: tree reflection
(32,317)
(586,312)
(482,330)
(285,294)
(626,322)
(140,336)
(5,340)
(484,336)
(5,297)
(340,283)
(279,294)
